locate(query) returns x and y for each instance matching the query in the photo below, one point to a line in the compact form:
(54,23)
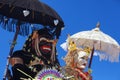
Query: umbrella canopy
(28,11)
(107,48)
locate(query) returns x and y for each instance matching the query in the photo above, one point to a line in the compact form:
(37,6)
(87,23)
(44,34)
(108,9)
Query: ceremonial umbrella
(105,46)
(19,15)
(24,12)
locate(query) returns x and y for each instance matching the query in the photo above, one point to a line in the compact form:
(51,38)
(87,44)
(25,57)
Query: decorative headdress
(71,44)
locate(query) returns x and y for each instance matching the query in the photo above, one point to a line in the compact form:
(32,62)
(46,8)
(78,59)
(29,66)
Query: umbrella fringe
(24,30)
(11,24)
(109,57)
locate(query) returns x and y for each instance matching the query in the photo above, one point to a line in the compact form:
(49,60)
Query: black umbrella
(25,12)
(19,15)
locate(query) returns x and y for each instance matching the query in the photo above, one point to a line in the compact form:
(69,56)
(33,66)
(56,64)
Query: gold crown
(72,46)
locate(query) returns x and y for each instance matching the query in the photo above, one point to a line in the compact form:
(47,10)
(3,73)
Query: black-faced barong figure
(39,51)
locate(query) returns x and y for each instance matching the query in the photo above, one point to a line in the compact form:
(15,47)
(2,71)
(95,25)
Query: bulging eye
(43,39)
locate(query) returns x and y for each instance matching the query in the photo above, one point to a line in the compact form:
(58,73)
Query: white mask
(82,59)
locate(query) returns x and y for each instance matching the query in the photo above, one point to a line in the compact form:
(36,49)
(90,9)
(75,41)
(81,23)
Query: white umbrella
(107,47)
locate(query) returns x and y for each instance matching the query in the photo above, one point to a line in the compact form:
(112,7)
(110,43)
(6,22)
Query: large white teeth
(47,48)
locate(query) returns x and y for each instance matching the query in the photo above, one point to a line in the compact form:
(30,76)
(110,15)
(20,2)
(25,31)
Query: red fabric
(83,74)
(87,75)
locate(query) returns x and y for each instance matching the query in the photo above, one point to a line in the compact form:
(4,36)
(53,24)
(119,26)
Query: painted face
(45,46)
(82,60)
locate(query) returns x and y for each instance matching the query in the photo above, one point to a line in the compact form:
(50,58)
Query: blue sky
(78,15)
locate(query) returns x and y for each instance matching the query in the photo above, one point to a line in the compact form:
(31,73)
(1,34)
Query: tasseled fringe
(10,24)
(111,58)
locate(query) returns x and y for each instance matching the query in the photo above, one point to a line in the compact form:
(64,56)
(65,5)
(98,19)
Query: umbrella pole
(91,57)
(11,51)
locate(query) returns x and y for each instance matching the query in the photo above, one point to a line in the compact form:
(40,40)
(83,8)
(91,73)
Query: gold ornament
(87,50)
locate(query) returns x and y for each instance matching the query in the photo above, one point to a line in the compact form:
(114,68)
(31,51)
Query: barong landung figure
(76,61)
